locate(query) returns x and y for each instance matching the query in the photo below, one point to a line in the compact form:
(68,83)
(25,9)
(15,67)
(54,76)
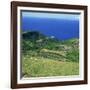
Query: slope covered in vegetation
(48,56)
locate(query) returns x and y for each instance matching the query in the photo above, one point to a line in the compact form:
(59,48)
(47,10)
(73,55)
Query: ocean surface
(59,28)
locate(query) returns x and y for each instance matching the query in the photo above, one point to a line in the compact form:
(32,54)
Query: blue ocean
(61,29)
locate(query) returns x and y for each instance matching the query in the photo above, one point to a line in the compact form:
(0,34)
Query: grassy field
(42,67)
(43,56)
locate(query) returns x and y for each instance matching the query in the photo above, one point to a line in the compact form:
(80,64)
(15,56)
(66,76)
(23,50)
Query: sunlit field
(42,67)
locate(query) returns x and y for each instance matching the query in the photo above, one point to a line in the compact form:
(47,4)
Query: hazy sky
(51,15)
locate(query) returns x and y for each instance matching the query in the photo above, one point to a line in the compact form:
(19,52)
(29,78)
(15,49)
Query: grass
(42,56)
(42,67)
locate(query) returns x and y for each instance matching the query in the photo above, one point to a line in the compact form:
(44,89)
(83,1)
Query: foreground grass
(42,67)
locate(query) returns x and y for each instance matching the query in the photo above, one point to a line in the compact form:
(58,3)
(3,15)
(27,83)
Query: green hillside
(47,56)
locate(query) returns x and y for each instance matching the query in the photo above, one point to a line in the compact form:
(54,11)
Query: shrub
(73,55)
